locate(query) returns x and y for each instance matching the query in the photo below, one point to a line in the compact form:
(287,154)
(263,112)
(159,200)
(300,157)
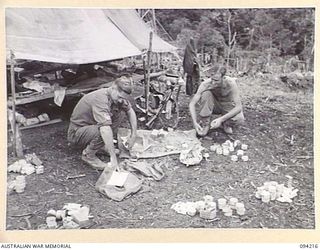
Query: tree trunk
(229,39)
(251,38)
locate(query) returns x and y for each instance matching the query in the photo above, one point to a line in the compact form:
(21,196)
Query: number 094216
(309,246)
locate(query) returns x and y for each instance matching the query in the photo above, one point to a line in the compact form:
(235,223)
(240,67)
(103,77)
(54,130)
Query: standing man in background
(191,67)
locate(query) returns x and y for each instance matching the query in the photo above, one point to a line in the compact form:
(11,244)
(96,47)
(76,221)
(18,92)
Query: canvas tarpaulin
(136,30)
(152,145)
(74,36)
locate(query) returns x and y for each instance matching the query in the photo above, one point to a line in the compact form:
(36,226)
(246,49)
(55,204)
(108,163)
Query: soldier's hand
(216,123)
(201,131)
(198,128)
(131,142)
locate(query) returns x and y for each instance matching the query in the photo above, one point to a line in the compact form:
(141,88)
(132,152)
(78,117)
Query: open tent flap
(65,36)
(136,30)
(75,36)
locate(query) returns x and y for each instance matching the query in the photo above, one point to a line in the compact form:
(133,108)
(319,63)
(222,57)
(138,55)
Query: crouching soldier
(219,95)
(96,119)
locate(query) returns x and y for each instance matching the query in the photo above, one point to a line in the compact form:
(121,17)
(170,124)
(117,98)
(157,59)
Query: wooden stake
(19,148)
(154,21)
(17,145)
(13,93)
(145,86)
(148,74)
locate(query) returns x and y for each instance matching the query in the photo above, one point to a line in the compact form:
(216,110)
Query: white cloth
(59,95)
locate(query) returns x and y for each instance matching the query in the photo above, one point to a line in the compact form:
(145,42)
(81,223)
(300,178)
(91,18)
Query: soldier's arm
(195,99)
(107,137)
(237,100)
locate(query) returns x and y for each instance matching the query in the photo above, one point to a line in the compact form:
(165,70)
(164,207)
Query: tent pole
(160,25)
(13,93)
(148,74)
(145,85)
(154,21)
(157,60)
(17,144)
(145,14)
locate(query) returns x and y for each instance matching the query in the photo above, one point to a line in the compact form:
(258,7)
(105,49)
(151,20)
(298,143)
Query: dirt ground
(278,130)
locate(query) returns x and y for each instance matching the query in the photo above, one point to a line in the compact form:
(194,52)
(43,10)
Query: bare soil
(278,130)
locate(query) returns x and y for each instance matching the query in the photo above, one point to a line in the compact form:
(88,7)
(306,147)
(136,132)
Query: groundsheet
(158,143)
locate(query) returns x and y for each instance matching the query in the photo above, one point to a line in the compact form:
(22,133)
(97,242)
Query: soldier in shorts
(218,95)
(96,119)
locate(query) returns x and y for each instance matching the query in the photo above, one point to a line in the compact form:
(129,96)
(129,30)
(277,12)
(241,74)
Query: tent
(77,36)
(136,30)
